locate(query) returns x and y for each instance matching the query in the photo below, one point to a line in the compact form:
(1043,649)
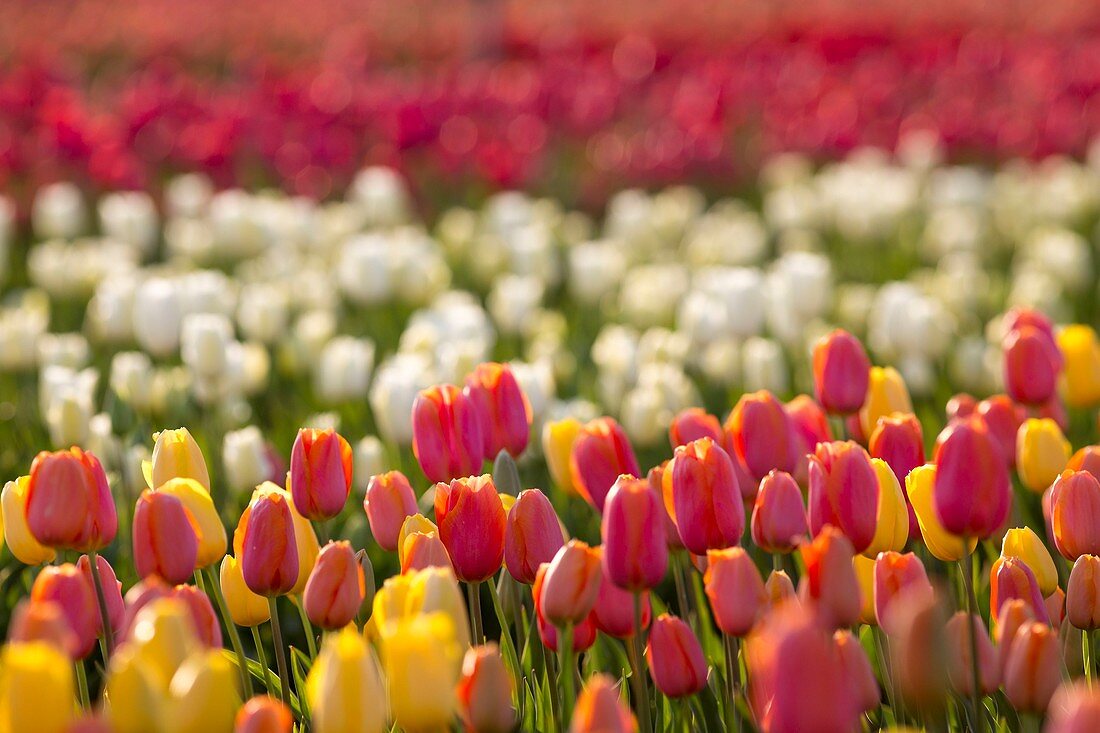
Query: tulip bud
(421,660)
(601,453)
(264,714)
(1011,578)
(972,493)
(66,586)
(855,668)
(899,441)
(960,665)
(447,438)
(245,607)
(961,405)
(660,483)
(584,633)
(779,589)
(635,555)
(1033,669)
(36,688)
(1042,453)
(1055,605)
(1083,593)
(810,422)
(841,369)
(485,692)
(892,527)
(69,505)
(1023,544)
(336,587)
(320,473)
(599,709)
(898,577)
(919,488)
(572,584)
(471,525)
(163,636)
(204,694)
(207,524)
(207,627)
(1031,365)
(434,590)
(676,661)
(1003,417)
(532,535)
(1075,708)
(735,590)
(844,492)
(345,688)
(557,446)
(705,497)
(269,553)
(778,515)
(177,455)
(502,409)
(830,582)
(1014,614)
(422,550)
(135,699)
(886,394)
(165,542)
(613,613)
(45,622)
(1074,509)
(694,423)
(17,535)
(388,502)
(919,654)
(1086,459)
(762,435)
(1081,379)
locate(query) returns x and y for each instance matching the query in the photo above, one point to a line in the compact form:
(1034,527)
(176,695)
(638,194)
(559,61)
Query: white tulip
(368,458)
(157,316)
(343,370)
(382,195)
(188,195)
(130,217)
(204,340)
(262,312)
(765,366)
(397,381)
(58,211)
(132,379)
(244,453)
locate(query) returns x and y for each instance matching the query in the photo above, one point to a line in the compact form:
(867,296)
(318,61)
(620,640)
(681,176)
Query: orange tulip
(635,555)
(692,424)
(1086,459)
(1014,614)
(960,668)
(336,587)
(532,535)
(572,584)
(1083,593)
(389,501)
(447,439)
(1012,578)
(778,516)
(471,522)
(855,668)
(779,589)
(972,490)
(424,550)
(1075,514)
(601,453)
(899,578)
(1033,670)
(841,371)
(762,435)
(735,590)
(269,552)
(599,709)
(165,540)
(675,657)
(320,473)
(919,655)
(844,492)
(69,505)
(263,714)
(66,586)
(706,502)
(485,691)
(830,582)
(43,621)
(502,409)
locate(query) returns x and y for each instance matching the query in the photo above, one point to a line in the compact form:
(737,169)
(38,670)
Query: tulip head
(245,607)
(675,657)
(502,409)
(485,691)
(779,589)
(263,714)
(706,504)
(204,693)
(1023,544)
(735,590)
(898,440)
(44,622)
(320,473)
(177,455)
(66,586)
(447,439)
(972,492)
(532,535)
(112,593)
(1086,459)
(830,583)
(421,660)
(892,527)
(471,522)
(899,579)
(268,554)
(1081,379)
(865,574)
(389,500)
(762,435)
(1011,578)
(17,534)
(845,492)
(959,659)
(557,447)
(920,490)
(613,613)
(36,688)
(635,554)
(571,584)
(69,505)
(1033,669)
(1075,514)
(600,453)
(1075,708)
(1032,363)
(886,394)
(165,541)
(778,515)
(1042,453)
(1003,417)
(694,423)
(209,530)
(1083,593)
(841,372)
(600,709)
(345,688)
(336,587)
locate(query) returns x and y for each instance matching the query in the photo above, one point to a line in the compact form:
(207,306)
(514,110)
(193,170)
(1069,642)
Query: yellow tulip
(208,525)
(245,607)
(163,636)
(892,529)
(344,687)
(557,445)
(1081,376)
(13,502)
(1042,453)
(413,524)
(941,543)
(421,660)
(865,573)
(436,590)
(134,702)
(204,697)
(886,394)
(177,455)
(391,603)
(36,689)
(304,536)
(1023,544)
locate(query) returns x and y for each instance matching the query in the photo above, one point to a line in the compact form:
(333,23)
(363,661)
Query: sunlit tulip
(447,438)
(660,483)
(268,553)
(36,689)
(613,613)
(245,607)
(892,527)
(898,440)
(204,694)
(485,692)
(1055,605)
(1023,544)
(66,586)
(960,665)
(1003,417)
(177,455)
(112,593)
(163,636)
(865,574)
(1014,614)
(845,492)
(855,668)
(336,587)
(1031,365)
(17,535)
(600,709)
(1081,378)
(320,473)
(502,409)
(424,550)
(345,688)
(135,696)
(204,517)
(635,555)
(1033,669)
(572,584)
(920,489)
(972,492)
(165,542)
(557,447)
(1086,459)
(1011,578)
(69,505)
(264,714)
(886,394)
(961,405)
(1083,593)
(388,502)
(600,453)
(1042,453)
(1075,514)
(532,535)
(705,504)
(694,423)
(43,621)
(779,589)
(899,578)
(471,522)
(918,654)
(205,621)
(305,539)
(676,661)
(735,590)
(584,633)
(762,435)
(830,582)
(778,515)
(433,590)
(840,369)
(421,662)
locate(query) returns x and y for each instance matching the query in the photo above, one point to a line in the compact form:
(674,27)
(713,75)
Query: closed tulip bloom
(269,553)
(208,628)
(613,613)
(918,654)
(433,590)
(422,550)
(706,502)
(163,636)
(204,694)
(177,455)
(135,698)
(502,407)
(692,424)
(1011,578)
(571,584)
(1083,593)
(471,524)
(635,555)
(1023,544)
(892,527)
(1055,605)
(676,661)
(1075,708)
(735,590)
(855,668)
(584,633)
(865,574)
(557,447)
(532,535)
(1013,614)
(778,515)
(1042,453)
(320,473)
(920,490)
(810,422)
(447,439)
(972,492)
(263,714)
(830,582)
(600,709)
(66,586)
(421,662)
(336,587)
(1081,378)
(17,534)
(45,622)
(1031,365)
(1086,459)
(485,692)
(844,492)
(886,394)
(165,543)
(660,483)
(36,689)
(841,369)
(389,501)
(898,440)
(1075,514)
(1003,417)
(345,688)
(959,665)
(762,435)
(601,453)
(1033,670)
(245,607)
(899,578)
(960,406)
(204,517)
(779,589)
(69,505)
(112,593)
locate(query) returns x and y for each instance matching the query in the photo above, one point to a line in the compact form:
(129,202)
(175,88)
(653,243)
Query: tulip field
(493,366)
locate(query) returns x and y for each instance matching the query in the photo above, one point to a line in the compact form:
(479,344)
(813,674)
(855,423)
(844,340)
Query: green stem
(280,652)
(681,588)
(641,687)
(1086,655)
(307,627)
(101,599)
(733,678)
(262,655)
(473,594)
(82,684)
(967,567)
(566,672)
(214,588)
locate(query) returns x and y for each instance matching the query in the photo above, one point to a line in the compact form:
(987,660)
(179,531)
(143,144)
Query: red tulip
(692,424)
(571,584)
(960,406)
(830,583)
(263,714)
(1011,578)
(613,613)
(660,483)
(112,592)
(1086,459)
(501,407)
(1075,514)
(485,692)
(207,626)
(43,621)
(66,586)
(584,632)
(762,435)
(320,473)
(855,668)
(336,587)
(676,661)
(1075,708)
(899,441)
(635,555)
(1024,316)
(389,501)
(1032,363)
(811,426)
(972,492)
(735,590)
(69,504)
(899,578)
(601,453)
(1033,670)
(471,524)
(599,709)
(778,516)
(269,553)
(706,502)
(532,535)
(844,492)
(1003,417)
(841,372)
(1083,593)
(447,438)
(960,667)
(165,541)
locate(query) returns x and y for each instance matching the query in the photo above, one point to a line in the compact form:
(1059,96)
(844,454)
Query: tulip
(961,405)
(245,607)
(391,602)
(778,515)
(1081,379)
(899,578)
(601,453)
(135,699)
(264,714)
(485,692)
(471,525)
(1003,417)
(920,488)
(705,502)
(1033,670)
(305,539)
(112,593)
(1083,593)
(557,446)
(972,493)
(45,622)
(423,550)
(919,654)
(336,587)
(1023,544)
(36,689)
(502,408)
(694,423)
(779,589)
(599,709)
(762,435)
(635,555)
(886,394)
(855,668)
(810,422)
(1011,578)
(735,590)
(532,535)
(320,473)
(204,517)
(17,535)
(447,438)
(165,542)
(204,694)
(66,586)
(844,492)
(69,505)
(1014,614)
(345,689)
(163,636)
(435,590)
(899,441)
(865,574)
(660,483)
(1042,453)
(1055,605)
(389,501)
(571,584)
(1075,514)
(1086,459)
(269,553)
(177,455)
(1031,365)
(584,633)
(613,613)
(841,369)
(960,665)
(830,582)
(676,661)
(421,661)
(892,526)
(1075,708)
